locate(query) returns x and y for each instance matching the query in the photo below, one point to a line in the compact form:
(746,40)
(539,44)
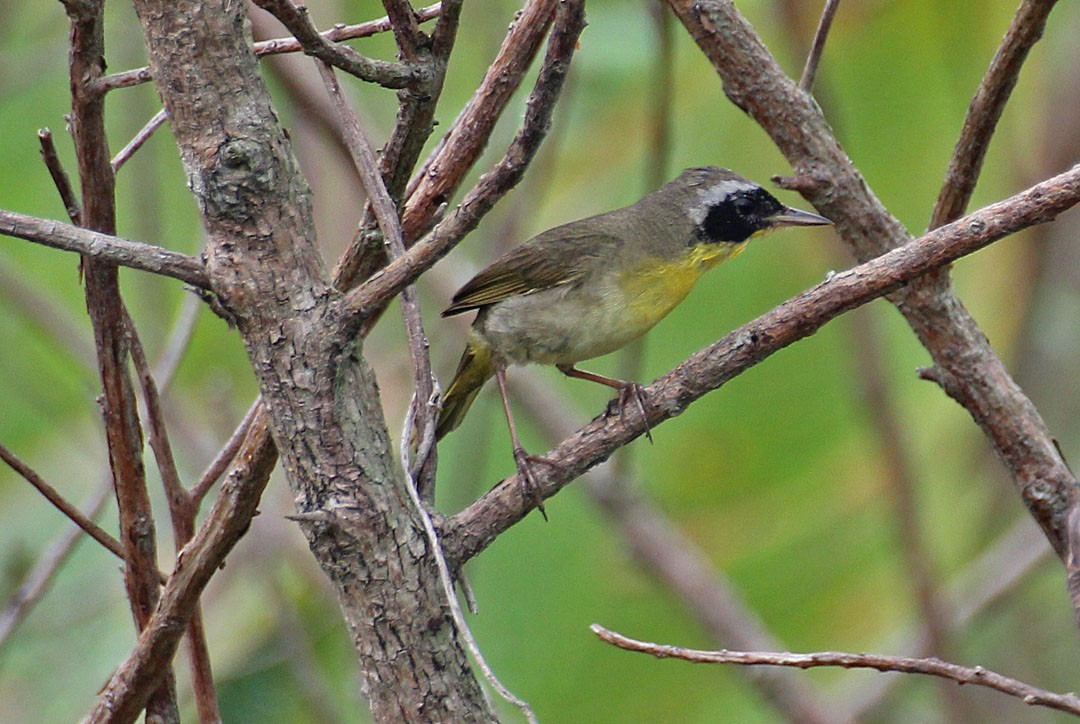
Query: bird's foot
(631,392)
(530,486)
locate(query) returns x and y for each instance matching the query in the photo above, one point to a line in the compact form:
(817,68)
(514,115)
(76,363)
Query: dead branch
(977,676)
(105,247)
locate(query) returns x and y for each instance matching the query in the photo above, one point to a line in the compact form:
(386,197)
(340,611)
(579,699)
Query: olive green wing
(556,257)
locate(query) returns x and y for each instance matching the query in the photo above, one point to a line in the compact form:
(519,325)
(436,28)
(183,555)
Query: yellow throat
(652,289)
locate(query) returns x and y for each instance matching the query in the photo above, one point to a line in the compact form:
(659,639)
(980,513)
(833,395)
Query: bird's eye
(743,205)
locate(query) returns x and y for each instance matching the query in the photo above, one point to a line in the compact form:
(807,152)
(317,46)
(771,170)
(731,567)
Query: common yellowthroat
(592,286)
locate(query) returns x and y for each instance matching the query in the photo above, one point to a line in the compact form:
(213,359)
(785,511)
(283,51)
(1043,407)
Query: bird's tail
(475,368)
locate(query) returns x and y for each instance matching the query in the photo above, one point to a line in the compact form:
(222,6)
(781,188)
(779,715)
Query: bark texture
(322,402)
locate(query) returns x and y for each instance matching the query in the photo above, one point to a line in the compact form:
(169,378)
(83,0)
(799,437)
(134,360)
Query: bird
(590,287)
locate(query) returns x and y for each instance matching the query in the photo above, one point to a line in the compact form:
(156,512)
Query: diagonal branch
(461,146)
(124,696)
(813,58)
(471,530)
(469,134)
(76,516)
(979,381)
(367,300)
(986,109)
(59,176)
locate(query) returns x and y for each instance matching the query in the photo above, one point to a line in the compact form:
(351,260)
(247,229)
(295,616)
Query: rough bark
(321,398)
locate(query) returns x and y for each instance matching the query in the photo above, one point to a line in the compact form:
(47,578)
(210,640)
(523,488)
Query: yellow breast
(652,289)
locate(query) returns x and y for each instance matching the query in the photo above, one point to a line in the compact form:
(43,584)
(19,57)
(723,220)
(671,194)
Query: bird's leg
(627,391)
(522,459)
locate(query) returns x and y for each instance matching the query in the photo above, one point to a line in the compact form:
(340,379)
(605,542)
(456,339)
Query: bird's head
(725,207)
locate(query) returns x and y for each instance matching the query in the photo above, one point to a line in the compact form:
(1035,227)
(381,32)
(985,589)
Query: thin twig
(367,300)
(977,676)
(447,581)
(105,247)
(225,456)
(296,19)
(61,503)
(367,166)
(424,402)
(986,108)
(175,494)
(37,581)
(59,176)
(139,139)
(813,58)
(342,33)
(124,696)
(278,46)
(182,515)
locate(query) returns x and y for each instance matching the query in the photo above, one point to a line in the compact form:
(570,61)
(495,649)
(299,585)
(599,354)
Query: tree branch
(105,247)
(469,134)
(977,676)
(278,46)
(754,82)
(127,690)
(139,139)
(471,530)
(103,302)
(813,58)
(367,300)
(986,109)
(298,22)
(59,176)
(91,528)
(182,514)
(461,146)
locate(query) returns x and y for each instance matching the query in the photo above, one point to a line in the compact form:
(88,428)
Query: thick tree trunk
(321,397)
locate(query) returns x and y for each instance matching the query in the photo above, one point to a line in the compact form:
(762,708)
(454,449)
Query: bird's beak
(795,217)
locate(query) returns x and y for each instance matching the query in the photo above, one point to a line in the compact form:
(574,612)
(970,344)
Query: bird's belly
(568,324)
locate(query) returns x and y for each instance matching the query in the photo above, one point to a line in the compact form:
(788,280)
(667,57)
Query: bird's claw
(531,488)
(632,392)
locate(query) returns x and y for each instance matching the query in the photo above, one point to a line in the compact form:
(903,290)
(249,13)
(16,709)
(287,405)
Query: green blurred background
(783,478)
